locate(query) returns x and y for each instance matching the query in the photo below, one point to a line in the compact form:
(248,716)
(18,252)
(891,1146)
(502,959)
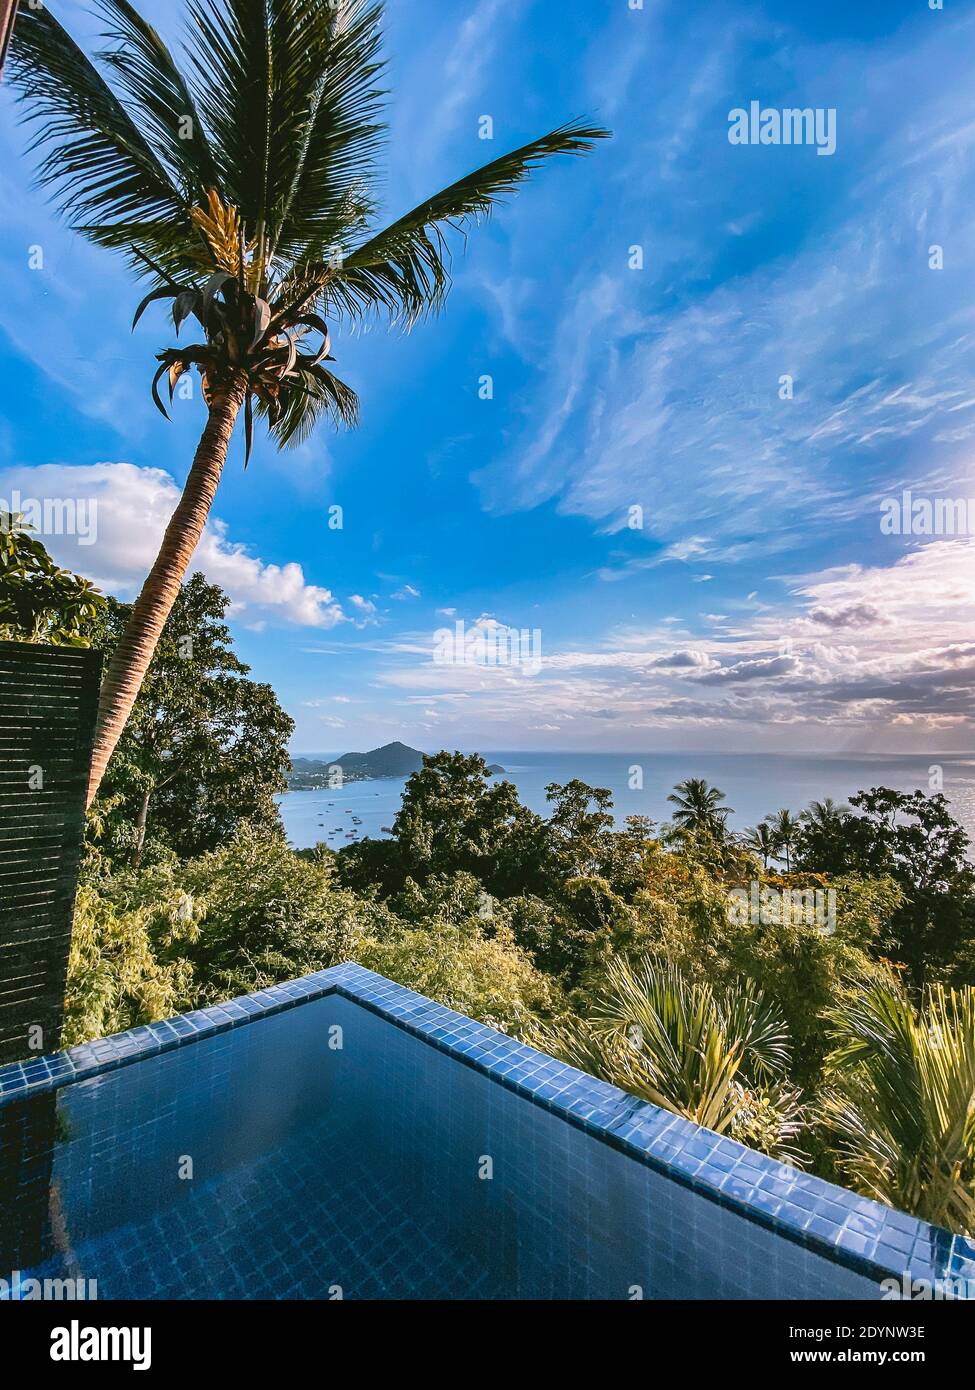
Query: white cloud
(657,380)
(895,667)
(133,507)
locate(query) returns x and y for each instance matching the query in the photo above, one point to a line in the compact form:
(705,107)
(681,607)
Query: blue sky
(760,605)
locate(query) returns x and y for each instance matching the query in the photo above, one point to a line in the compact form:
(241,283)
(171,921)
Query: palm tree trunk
(130,661)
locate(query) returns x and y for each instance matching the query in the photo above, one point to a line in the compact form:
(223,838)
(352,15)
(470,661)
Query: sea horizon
(756,785)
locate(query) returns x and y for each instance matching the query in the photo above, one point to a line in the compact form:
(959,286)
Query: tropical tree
(579,831)
(763,841)
(785,832)
(454,817)
(39,601)
(205,748)
(914,839)
(824,816)
(902,1109)
(716,1056)
(240,184)
(699,807)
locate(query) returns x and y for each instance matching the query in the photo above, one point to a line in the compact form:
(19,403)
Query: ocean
(756,785)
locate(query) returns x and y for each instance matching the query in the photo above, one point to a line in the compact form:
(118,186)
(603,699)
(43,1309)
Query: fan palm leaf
(902,1106)
(705,1054)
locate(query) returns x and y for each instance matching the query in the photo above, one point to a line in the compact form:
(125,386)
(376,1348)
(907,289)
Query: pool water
(324,1152)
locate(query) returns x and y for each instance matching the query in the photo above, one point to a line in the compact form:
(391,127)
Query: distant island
(392,760)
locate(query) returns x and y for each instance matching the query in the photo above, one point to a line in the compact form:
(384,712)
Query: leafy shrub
(115,977)
(901,1108)
(717,1057)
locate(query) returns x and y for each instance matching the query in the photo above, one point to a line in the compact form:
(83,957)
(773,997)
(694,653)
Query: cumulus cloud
(854,615)
(762,669)
(132,507)
(677,660)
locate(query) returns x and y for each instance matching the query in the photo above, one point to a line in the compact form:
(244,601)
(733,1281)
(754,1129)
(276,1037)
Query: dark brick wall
(48,699)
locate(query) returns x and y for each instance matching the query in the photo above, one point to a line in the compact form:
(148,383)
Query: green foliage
(40,602)
(616,949)
(785,832)
(453,819)
(913,839)
(699,807)
(115,977)
(764,842)
(902,1105)
(683,914)
(254,913)
(266,915)
(481,973)
(205,749)
(717,1057)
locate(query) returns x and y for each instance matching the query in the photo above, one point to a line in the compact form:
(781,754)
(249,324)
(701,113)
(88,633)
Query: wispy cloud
(754,405)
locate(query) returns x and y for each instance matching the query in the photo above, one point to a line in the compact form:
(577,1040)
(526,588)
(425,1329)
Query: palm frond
(310,394)
(716,1058)
(144,70)
(286,89)
(340,131)
(902,1105)
(404,269)
(94,157)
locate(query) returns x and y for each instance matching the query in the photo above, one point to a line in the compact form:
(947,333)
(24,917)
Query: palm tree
(698,807)
(824,815)
(240,185)
(716,1057)
(902,1106)
(763,841)
(785,830)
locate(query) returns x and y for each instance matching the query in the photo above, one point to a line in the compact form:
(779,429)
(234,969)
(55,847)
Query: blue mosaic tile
(608,1188)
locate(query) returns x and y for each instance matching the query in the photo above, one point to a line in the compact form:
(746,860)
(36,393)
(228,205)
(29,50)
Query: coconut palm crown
(240,184)
(785,830)
(762,840)
(699,807)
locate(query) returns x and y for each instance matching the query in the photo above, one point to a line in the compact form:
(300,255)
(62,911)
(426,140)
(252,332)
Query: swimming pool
(343,1137)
